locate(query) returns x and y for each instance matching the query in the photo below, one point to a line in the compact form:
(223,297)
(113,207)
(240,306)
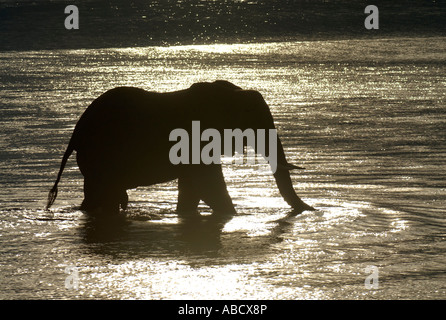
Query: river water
(366,118)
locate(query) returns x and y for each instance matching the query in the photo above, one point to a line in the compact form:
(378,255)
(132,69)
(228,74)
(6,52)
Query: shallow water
(365,118)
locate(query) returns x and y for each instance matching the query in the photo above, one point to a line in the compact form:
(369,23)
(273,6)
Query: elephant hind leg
(123,199)
(92,196)
(102,198)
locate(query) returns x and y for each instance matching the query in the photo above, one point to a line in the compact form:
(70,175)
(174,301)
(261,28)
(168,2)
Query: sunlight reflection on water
(368,128)
(290,257)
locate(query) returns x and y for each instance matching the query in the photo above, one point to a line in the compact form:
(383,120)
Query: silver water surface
(365,118)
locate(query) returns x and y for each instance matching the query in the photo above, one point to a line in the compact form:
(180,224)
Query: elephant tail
(53,192)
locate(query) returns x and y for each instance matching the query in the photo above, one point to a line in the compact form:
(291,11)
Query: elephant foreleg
(203,182)
(212,189)
(188,197)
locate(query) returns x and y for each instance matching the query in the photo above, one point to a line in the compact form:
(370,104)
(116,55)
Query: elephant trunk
(284,183)
(273,152)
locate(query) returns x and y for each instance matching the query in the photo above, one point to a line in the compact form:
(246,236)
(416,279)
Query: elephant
(122,142)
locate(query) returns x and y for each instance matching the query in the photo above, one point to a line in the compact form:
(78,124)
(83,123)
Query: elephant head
(252,112)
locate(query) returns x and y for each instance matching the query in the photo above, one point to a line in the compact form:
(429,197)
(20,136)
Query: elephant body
(122,142)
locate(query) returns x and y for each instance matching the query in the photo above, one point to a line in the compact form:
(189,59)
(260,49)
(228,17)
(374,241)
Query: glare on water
(368,127)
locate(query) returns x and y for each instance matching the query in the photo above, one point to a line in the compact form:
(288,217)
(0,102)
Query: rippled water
(367,119)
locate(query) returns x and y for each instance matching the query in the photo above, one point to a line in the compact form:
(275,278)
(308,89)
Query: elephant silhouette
(122,142)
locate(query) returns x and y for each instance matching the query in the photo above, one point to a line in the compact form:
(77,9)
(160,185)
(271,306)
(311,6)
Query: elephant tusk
(289,166)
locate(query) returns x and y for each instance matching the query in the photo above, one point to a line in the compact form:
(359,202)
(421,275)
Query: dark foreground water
(366,118)
(36,25)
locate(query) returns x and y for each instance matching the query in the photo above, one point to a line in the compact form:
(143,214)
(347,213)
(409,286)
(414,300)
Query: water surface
(366,118)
